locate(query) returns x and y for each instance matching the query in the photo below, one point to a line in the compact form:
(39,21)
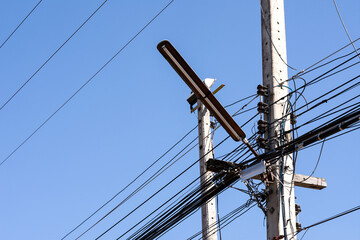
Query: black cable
(159,229)
(329,113)
(160,206)
(332,218)
(176,177)
(88,81)
(18,26)
(332,74)
(327,63)
(311,67)
(330,138)
(218,216)
(317,163)
(176,202)
(324,101)
(243,99)
(309,138)
(237,112)
(155,175)
(228,218)
(128,185)
(52,55)
(304,234)
(236,216)
(175,216)
(175,206)
(321,76)
(343,24)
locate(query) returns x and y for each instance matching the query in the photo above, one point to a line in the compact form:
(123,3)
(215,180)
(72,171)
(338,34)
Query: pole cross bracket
(278,237)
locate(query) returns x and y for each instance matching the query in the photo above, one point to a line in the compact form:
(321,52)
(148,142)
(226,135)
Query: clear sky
(135,109)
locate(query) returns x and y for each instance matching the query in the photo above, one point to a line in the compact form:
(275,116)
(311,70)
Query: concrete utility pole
(208,210)
(281,219)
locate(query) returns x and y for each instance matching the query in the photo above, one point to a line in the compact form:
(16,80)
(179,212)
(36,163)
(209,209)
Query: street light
(201,90)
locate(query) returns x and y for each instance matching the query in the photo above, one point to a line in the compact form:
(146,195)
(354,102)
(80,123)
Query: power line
(153,194)
(228,218)
(317,163)
(313,68)
(243,99)
(153,177)
(330,218)
(156,174)
(88,81)
(307,70)
(18,26)
(343,24)
(324,101)
(132,182)
(174,216)
(176,177)
(52,55)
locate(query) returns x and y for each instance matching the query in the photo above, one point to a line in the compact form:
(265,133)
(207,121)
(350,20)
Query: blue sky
(136,109)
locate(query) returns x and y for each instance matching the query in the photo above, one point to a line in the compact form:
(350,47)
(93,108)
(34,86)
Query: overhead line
(52,55)
(343,24)
(88,81)
(331,218)
(156,192)
(306,70)
(160,190)
(128,185)
(18,26)
(147,181)
(153,177)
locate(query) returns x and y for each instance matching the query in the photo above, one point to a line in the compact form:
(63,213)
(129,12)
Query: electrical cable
(317,162)
(128,185)
(324,101)
(321,77)
(174,216)
(343,24)
(236,113)
(308,69)
(304,234)
(236,102)
(88,81)
(310,137)
(231,216)
(327,63)
(156,174)
(163,211)
(159,190)
(330,218)
(156,232)
(153,177)
(150,197)
(51,56)
(218,216)
(18,26)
